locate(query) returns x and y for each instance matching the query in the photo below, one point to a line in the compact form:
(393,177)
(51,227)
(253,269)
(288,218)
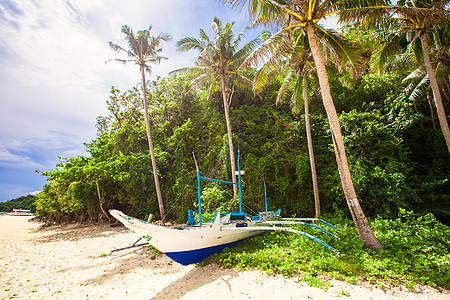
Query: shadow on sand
(117,266)
(139,259)
(194,279)
(75,232)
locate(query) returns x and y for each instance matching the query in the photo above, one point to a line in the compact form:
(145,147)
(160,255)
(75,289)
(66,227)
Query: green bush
(416,250)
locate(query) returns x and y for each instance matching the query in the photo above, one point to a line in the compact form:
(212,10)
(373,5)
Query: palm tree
(143,50)
(283,50)
(418,86)
(280,52)
(296,15)
(218,62)
(421,17)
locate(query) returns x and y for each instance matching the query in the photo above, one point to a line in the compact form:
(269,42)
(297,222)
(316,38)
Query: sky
(54,81)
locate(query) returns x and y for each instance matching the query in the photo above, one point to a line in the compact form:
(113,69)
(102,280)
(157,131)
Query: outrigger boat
(20,212)
(193,242)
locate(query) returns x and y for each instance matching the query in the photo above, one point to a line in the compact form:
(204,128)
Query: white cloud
(39,152)
(53,76)
(8,159)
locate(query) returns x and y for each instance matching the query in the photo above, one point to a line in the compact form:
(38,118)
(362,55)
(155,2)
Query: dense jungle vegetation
(399,164)
(397,159)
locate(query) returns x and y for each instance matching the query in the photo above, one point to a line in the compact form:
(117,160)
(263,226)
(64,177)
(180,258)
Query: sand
(74,262)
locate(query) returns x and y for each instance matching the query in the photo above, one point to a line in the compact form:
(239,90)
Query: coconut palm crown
(143,47)
(217,68)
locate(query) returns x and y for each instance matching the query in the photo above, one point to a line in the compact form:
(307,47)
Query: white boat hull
(187,244)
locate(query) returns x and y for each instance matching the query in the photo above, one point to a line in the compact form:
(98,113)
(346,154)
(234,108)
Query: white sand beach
(66,262)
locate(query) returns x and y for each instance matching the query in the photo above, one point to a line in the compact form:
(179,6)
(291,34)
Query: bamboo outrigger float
(193,242)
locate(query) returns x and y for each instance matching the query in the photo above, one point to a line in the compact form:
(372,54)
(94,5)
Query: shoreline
(74,262)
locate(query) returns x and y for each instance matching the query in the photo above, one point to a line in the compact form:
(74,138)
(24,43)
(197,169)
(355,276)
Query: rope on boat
(179,197)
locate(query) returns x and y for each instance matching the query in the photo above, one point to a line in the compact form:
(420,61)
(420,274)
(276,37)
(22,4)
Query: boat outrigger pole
(265,193)
(239,182)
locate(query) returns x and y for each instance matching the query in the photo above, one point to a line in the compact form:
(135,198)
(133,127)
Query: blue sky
(54,81)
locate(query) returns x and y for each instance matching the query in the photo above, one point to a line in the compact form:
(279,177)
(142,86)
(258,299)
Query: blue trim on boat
(197,255)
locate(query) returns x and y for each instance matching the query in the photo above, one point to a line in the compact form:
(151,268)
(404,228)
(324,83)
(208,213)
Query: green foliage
(416,250)
(23,202)
(379,163)
(396,158)
(216,198)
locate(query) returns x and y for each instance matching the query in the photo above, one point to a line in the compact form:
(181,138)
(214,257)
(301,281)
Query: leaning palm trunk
(152,152)
(362,226)
(101,201)
(310,148)
(436,93)
(230,137)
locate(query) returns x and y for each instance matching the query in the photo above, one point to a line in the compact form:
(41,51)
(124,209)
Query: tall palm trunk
(436,93)
(152,152)
(230,137)
(362,226)
(310,147)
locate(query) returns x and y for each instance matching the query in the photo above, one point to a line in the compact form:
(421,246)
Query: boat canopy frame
(199,178)
(260,219)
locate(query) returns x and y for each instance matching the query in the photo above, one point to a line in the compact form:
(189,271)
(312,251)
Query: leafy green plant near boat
(416,252)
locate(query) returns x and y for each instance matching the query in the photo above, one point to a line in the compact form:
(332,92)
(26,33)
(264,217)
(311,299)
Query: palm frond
(164,36)
(263,76)
(386,50)
(237,39)
(216,25)
(276,45)
(356,11)
(212,88)
(122,61)
(132,40)
(240,56)
(265,11)
(297,96)
(339,49)
(240,81)
(204,36)
(285,86)
(189,43)
(155,59)
(116,47)
(179,71)
(417,46)
(199,81)
(420,89)
(143,48)
(422,17)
